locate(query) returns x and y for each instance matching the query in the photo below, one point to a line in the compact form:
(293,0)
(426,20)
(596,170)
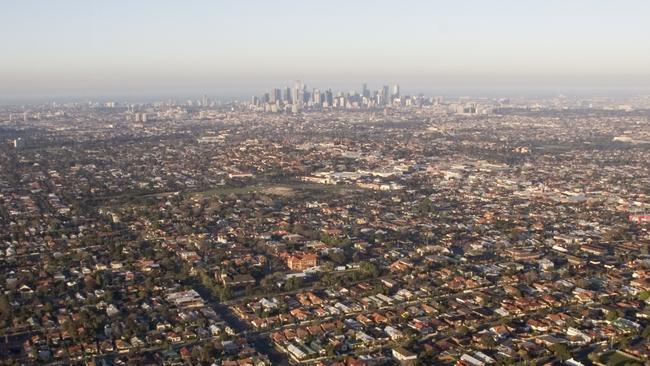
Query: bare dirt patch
(279,191)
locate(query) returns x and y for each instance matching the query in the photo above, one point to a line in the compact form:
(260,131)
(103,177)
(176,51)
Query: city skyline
(163,49)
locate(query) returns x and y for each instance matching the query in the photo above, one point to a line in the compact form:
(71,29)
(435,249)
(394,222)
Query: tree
(488,341)
(70,327)
(293,283)
(109,296)
(523,354)
(206,352)
(267,282)
(196,353)
(89,283)
(330,349)
(249,290)
(369,269)
(645,249)
(224,294)
(5,307)
(462,331)
(612,315)
(646,332)
(338,257)
(561,351)
(624,342)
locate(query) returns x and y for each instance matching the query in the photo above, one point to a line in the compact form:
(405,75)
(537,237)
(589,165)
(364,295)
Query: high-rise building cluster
(299,97)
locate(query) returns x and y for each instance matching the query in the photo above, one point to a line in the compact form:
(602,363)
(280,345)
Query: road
(261,341)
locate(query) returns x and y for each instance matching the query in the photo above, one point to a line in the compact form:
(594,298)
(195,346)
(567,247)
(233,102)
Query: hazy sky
(87,48)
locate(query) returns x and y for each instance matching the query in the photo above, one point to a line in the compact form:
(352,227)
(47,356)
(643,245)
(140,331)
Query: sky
(140,48)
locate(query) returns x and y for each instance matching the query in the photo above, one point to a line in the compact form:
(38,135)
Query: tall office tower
(204,101)
(329,98)
(287,95)
(346,99)
(364,90)
(316,97)
(385,94)
(298,91)
(276,95)
(272,96)
(304,94)
(255,101)
(396,91)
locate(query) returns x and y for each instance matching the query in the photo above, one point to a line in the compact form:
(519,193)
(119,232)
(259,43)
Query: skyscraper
(298,91)
(329,98)
(276,96)
(316,97)
(385,95)
(287,95)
